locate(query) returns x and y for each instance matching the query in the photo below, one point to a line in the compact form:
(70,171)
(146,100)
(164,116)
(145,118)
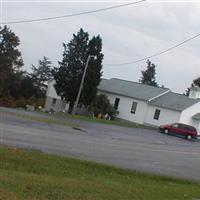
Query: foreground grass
(26,175)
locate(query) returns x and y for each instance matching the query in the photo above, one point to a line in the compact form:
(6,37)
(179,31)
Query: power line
(71,15)
(156,54)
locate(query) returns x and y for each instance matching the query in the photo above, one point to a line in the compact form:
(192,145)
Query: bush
(8,102)
(21,102)
(102,105)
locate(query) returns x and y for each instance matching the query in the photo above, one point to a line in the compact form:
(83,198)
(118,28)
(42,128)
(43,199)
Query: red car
(185,130)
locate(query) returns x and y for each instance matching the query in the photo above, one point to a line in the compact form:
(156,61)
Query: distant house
(141,103)
(53,101)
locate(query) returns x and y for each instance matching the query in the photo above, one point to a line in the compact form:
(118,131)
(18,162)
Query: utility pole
(81,85)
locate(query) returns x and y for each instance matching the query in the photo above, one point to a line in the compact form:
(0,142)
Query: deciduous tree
(42,73)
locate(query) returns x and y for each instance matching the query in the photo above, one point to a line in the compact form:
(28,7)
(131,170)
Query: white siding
(125,105)
(51,92)
(186,116)
(194,94)
(166,116)
(144,112)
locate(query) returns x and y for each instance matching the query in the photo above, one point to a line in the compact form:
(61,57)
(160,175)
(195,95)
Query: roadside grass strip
(45,120)
(58,118)
(116,121)
(30,175)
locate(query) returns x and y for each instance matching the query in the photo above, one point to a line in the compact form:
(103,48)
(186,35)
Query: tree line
(19,87)
(17,84)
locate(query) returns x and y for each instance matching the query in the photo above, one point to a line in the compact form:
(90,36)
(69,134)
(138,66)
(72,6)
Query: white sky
(128,34)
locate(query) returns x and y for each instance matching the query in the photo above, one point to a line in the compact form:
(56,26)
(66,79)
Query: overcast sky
(128,33)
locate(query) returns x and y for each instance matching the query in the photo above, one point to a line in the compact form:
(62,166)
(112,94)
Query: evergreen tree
(68,76)
(14,82)
(149,75)
(10,59)
(196,82)
(101,104)
(42,73)
(27,89)
(94,73)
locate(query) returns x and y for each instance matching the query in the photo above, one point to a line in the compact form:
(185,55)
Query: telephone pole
(81,85)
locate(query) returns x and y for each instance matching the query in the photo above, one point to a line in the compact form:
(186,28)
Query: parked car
(185,130)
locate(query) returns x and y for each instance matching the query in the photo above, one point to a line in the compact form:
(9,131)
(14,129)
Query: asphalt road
(140,149)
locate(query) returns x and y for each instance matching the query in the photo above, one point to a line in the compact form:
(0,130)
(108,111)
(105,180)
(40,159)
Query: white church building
(141,103)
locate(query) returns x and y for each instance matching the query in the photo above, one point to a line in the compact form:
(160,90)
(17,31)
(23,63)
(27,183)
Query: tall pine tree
(196,82)
(10,59)
(149,75)
(94,73)
(68,75)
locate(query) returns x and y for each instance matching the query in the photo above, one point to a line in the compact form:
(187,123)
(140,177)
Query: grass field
(116,121)
(54,120)
(46,120)
(26,175)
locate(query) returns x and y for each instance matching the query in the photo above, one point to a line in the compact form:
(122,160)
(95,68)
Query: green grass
(53,120)
(116,121)
(26,175)
(46,120)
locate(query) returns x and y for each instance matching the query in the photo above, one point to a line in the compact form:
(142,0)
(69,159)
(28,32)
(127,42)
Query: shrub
(102,105)
(8,102)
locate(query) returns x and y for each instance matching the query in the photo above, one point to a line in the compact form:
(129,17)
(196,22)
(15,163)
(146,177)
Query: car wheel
(166,131)
(188,137)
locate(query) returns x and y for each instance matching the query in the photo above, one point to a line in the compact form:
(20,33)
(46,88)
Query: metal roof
(130,89)
(156,96)
(174,101)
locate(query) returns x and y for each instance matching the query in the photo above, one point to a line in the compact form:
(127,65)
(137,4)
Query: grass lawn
(54,120)
(27,175)
(116,121)
(46,120)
